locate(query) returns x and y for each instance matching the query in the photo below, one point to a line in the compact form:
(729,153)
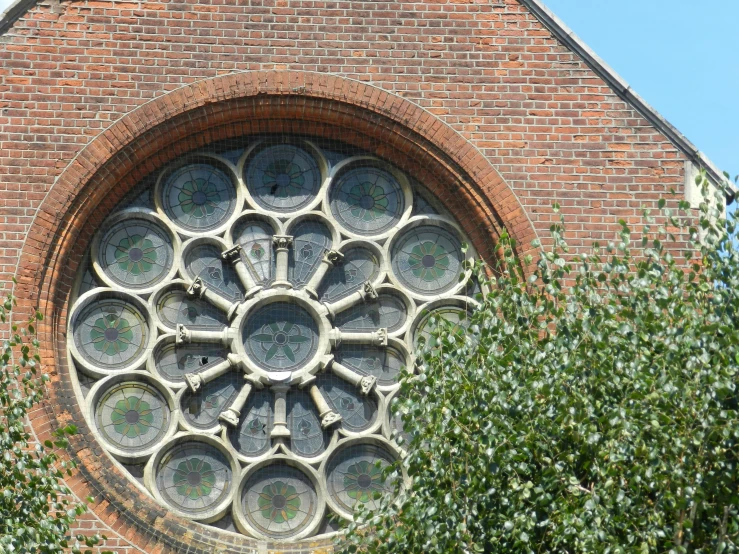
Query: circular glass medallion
(135,253)
(280,336)
(355,474)
(428,260)
(194,477)
(132,416)
(367,201)
(283,178)
(110,333)
(198,197)
(279,501)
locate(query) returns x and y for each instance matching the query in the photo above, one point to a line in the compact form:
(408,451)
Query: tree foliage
(36,508)
(591,407)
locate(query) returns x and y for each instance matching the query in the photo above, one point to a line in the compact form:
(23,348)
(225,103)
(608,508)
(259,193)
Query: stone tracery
(263,301)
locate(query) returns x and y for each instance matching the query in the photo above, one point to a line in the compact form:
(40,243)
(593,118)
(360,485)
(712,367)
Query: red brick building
(419,124)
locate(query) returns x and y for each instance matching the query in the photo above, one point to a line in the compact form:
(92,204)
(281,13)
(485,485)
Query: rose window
(241,322)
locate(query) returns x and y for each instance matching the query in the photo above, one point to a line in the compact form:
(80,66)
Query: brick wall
(487,69)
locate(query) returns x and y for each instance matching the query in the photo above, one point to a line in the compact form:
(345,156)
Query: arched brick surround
(192,116)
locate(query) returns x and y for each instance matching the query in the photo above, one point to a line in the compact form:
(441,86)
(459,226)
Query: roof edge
(15,11)
(619,85)
(567,37)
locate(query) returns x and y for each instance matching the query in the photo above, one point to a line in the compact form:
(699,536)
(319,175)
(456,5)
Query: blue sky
(681,56)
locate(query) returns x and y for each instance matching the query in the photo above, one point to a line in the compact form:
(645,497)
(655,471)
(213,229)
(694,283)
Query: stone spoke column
(330,259)
(375,338)
(196,380)
(198,289)
(365,294)
(186,336)
(282,244)
(365,383)
(233,256)
(279,429)
(231,415)
(327,415)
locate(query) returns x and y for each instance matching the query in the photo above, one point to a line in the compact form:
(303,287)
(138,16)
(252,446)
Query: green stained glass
(368,201)
(135,254)
(198,198)
(132,417)
(428,261)
(279,340)
(284,178)
(194,478)
(111,334)
(279,502)
(362,479)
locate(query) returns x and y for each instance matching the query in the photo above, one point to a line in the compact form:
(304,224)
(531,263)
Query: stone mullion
(230,416)
(282,245)
(233,256)
(365,383)
(198,289)
(366,293)
(375,338)
(196,380)
(330,259)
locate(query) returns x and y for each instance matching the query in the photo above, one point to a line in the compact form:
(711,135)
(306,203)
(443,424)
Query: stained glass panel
(367,200)
(194,477)
(136,253)
(428,260)
(311,239)
(279,501)
(283,178)
(198,197)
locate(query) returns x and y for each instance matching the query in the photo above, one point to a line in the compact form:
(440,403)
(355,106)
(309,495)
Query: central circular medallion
(281,336)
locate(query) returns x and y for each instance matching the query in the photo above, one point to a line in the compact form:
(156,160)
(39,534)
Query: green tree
(591,407)
(36,508)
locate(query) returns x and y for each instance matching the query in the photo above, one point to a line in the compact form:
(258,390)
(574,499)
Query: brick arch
(190,117)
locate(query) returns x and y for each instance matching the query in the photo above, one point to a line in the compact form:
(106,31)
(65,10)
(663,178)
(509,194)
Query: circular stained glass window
(280,337)
(283,178)
(367,201)
(198,196)
(240,338)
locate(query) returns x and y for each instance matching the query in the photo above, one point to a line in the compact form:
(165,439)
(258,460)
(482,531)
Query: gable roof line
(619,85)
(569,39)
(13,12)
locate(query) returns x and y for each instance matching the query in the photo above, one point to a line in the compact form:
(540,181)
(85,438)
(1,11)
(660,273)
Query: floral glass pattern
(283,178)
(241,321)
(193,477)
(198,196)
(367,200)
(356,474)
(132,416)
(428,260)
(279,500)
(136,253)
(280,337)
(111,333)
